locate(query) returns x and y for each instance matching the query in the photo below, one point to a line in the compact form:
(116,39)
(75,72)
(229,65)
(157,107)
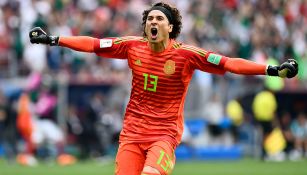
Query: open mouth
(154,33)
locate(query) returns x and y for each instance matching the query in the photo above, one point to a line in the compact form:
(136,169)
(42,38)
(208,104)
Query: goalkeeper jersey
(159,85)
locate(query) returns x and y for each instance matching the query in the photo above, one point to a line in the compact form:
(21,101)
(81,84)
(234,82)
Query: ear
(170,28)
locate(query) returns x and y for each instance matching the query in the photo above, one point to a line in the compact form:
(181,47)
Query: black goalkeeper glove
(38,35)
(287,69)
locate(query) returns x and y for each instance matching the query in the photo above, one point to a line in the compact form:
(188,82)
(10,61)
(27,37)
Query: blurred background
(63,105)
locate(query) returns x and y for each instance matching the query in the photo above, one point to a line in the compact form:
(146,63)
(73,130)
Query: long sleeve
(105,47)
(79,43)
(203,60)
(245,67)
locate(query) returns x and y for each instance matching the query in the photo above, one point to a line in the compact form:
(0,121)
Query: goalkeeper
(162,69)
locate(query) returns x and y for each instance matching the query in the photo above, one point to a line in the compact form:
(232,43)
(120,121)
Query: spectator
(285,122)
(299,130)
(8,131)
(264,109)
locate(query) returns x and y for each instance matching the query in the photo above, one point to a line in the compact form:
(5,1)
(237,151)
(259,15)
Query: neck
(159,46)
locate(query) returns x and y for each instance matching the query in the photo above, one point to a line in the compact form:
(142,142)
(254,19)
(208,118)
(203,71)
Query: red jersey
(159,85)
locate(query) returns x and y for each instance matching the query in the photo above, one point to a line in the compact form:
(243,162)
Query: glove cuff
(272,70)
(53,40)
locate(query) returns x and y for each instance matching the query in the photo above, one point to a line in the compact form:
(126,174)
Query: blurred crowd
(34,77)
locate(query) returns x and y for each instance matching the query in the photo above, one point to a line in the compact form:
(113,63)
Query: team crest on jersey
(169,67)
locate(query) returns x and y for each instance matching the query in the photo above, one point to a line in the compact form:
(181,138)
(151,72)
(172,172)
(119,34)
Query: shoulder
(130,39)
(189,50)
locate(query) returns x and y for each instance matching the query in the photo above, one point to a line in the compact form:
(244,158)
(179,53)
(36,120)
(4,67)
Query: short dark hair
(176,19)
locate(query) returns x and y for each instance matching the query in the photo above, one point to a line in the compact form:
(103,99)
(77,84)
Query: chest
(167,65)
(157,71)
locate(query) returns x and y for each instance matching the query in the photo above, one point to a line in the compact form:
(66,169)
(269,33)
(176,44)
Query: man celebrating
(162,69)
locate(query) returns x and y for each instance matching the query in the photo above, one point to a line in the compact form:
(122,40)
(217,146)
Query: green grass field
(241,167)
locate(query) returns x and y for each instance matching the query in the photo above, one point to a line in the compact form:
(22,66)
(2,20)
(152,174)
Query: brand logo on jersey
(104,43)
(169,67)
(214,58)
(138,62)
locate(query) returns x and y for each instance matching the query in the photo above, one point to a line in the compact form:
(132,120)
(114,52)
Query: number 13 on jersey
(150,79)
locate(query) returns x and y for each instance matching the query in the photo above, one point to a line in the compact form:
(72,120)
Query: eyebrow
(155,16)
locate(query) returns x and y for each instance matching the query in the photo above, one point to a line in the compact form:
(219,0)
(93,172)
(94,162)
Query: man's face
(157,26)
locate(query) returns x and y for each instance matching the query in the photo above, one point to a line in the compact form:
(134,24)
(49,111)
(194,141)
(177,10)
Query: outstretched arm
(79,43)
(106,47)
(219,64)
(241,66)
(246,67)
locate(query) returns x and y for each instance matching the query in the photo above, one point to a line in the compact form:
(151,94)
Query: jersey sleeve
(115,47)
(203,60)
(106,47)
(244,67)
(112,48)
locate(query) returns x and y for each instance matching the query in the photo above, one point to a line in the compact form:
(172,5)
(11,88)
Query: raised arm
(241,66)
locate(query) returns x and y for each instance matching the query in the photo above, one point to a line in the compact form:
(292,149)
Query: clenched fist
(39,36)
